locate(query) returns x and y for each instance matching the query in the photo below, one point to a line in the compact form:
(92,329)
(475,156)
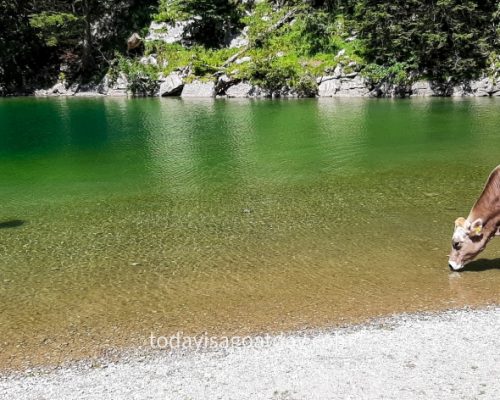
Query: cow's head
(467,242)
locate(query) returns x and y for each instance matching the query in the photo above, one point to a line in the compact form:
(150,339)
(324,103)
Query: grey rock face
(240,40)
(353,87)
(495,89)
(260,92)
(121,82)
(422,89)
(149,60)
(117,88)
(59,88)
(340,84)
(330,86)
(40,93)
(223,83)
(168,33)
(103,86)
(240,90)
(351,75)
(285,91)
(481,87)
(87,90)
(485,87)
(388,89)
(172,85)
(198,89)
(462,90)
(337,73)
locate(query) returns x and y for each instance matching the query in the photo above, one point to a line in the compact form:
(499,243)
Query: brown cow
(471,235)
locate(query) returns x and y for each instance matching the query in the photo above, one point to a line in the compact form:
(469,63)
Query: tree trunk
(87,58)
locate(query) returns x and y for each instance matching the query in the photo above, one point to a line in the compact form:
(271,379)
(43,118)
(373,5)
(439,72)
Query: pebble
(450,355)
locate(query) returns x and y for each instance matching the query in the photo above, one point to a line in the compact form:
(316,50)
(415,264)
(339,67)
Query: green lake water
(121,218)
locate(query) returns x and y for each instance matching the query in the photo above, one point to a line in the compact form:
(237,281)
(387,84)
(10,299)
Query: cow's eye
(456,245)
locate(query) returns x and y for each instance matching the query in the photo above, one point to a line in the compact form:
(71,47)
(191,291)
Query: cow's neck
(487,206)
(491,224)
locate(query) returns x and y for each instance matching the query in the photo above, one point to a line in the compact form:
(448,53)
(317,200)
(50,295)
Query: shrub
(274,73)
(306,86)
(142,79)
(397,74)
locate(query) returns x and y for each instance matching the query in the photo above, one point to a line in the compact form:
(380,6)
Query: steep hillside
(246,48)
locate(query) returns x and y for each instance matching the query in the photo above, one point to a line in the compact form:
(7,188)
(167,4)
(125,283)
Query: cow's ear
(460,222)
(476,228)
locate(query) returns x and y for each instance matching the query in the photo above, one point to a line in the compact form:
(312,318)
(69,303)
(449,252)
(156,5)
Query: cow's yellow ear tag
(478,230)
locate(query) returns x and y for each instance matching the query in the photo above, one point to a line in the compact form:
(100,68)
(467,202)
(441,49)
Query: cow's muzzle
(455,266)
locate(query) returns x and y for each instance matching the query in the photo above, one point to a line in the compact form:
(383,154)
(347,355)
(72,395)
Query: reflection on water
(231,216)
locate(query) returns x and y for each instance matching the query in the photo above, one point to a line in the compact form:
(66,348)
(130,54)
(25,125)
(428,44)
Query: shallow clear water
(121,218)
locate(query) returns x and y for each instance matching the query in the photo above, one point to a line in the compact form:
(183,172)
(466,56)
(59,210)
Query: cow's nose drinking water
(454,266)
(471,234)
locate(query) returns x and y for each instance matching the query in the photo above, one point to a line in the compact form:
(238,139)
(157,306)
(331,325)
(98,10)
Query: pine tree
(444,39)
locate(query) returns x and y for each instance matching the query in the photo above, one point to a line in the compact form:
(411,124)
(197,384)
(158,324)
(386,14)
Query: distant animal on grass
(472,234)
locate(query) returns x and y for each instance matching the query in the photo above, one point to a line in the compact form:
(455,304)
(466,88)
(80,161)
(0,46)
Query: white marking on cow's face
(460,234)
(455,266)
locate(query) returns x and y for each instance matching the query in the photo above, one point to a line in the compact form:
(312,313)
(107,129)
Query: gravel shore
(451,355)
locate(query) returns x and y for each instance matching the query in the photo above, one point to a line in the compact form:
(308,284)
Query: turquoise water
(121,217)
